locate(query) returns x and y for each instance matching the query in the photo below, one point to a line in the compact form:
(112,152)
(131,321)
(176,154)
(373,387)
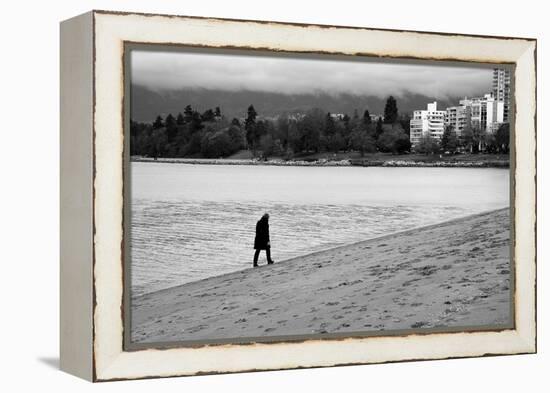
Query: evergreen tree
(250,126)
(379,128)
(346,119)
(180,120)
(235,122)
(158,123)
(390,111)
(188,114)
(217,112)
(171,127)
(170,121)
(330,127)
(208,115)
(366,117)
(346,132)
(195,122)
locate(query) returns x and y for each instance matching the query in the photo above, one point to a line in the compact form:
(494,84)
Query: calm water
(190,222)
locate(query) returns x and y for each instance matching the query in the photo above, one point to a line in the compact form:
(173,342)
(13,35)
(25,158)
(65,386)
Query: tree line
(472,139)
(212,135)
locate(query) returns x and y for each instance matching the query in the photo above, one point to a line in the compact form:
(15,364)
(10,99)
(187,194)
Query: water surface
(191,222)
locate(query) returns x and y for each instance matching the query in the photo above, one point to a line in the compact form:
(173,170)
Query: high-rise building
(486,113)
(427,122)
(483,113)
(501,90)
(457,118)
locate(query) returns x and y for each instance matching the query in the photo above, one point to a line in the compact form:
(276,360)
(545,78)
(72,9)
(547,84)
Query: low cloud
(186,70)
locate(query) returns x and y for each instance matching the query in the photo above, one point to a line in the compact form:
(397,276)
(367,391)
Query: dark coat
(261,242)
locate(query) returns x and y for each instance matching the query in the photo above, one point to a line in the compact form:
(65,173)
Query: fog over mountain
(147,104)
(166,81)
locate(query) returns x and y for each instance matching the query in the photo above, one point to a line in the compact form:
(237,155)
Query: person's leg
(256,255)
(268,255)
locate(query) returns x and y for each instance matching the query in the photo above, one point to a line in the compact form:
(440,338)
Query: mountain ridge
(146,104)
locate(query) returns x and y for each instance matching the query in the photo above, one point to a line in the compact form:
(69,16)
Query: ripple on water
(175,242)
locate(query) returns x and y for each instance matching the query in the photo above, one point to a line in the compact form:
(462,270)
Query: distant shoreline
(330,163)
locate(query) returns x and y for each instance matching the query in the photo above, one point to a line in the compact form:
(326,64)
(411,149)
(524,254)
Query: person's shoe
(271,262)
(254,265)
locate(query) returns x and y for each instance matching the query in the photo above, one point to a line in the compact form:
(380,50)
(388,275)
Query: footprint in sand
(195,329)
(420,324)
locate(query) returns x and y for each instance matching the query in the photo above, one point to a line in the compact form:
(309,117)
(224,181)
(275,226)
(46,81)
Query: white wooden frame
(92,142)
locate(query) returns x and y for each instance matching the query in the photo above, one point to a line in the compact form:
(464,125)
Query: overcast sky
(181,70)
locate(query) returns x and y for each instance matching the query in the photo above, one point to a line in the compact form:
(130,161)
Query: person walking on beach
(261,242)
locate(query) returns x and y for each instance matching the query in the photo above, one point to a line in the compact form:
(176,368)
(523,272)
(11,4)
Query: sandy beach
(451,274)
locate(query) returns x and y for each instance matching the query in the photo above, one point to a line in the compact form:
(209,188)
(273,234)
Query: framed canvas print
(247,195)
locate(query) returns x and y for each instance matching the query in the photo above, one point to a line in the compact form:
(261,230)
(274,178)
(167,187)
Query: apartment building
(427,122)
(501,90)
(486,113)
(457,118)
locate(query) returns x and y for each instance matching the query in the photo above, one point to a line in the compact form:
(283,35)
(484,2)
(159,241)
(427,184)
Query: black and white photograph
(275,196)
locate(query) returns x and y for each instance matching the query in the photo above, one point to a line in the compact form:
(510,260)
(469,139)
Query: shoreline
(416,269)
(343,246)
(329,163)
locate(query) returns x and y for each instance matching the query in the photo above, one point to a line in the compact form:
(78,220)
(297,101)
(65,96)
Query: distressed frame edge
(528,340)
(525,203)
(76,196)
(302,24)
(129,346)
